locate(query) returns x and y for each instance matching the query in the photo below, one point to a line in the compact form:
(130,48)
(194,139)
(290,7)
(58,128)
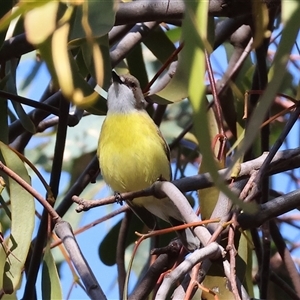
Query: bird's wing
(187,237)
(166,149)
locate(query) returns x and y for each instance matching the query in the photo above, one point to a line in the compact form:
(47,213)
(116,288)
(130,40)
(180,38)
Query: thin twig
(190,291)
(219,118)
(94,223)
(232,254)
(55,217)
(120,255)
(32,103)
(255,187)
(285,256)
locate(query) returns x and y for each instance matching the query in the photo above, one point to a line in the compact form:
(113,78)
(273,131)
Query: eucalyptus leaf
(5,7)
(159,44)
(51,287)
(40,22)
(136,64)
(98,17)
(27,123)
(108,247)
(3,121)
(22,222)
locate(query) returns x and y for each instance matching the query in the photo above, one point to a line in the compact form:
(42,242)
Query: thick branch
(282,161)
(93,289)
(271,209)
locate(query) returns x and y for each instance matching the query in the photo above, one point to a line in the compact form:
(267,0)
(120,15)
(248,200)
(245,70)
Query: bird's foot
(119,198)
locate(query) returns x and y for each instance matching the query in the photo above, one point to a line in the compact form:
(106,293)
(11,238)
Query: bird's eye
(132,85)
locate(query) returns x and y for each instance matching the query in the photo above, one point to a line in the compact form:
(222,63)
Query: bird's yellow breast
(131,152)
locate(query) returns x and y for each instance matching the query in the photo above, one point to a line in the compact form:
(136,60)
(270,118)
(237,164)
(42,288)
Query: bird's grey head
(125,94)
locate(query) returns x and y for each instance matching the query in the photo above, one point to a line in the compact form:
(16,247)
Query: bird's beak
(116,78)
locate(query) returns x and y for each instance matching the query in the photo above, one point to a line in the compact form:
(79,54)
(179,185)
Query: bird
(133,155)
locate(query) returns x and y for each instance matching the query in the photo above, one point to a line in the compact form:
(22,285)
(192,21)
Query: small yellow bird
(133,155)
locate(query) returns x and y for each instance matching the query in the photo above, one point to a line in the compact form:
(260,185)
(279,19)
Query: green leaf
(25,120)
(51,288)
(108,247)
(13,14)
(61,61)
(159,44)
(5,7)
(261,21)
(2,260)
(22,222)
(40,22)
(159,100)
(64,71)
(210,33)
(136,65)
(100,69)
(208,197)
(99,15)
(141,257)
(216,279)
(3,121)
(12,296)
(174,34)
(5,213)
(177,89)
(27,123)
(82,68)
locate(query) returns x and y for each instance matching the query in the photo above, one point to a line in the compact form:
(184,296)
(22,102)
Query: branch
(88,175)
(37,115)
(283,285)
(64,231)
(282,161)
(269,210)
(32,103)
(55,217)
(243,292)
(134,37)
(285,256)
(212,250)
(121,246)
(255,187)
(143,11)
(163,263)
(15,47)
(183,206)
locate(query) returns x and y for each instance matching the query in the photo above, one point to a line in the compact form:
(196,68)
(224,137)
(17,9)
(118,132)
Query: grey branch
(282,161)
(201,232)
(180,201)
(93,289)
(179,272)
(271,209)
(164,10)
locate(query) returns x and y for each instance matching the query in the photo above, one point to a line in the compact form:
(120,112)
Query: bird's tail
(148,207)
(187,236)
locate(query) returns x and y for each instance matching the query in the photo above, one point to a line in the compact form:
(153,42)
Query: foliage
(210,118)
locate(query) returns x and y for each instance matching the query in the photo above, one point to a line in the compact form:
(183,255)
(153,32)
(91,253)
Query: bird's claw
(119,198)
